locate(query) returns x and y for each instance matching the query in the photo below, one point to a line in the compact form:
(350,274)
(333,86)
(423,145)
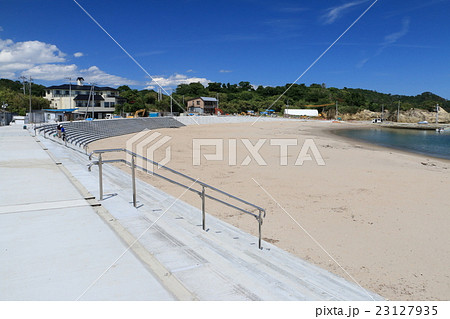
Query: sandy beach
(375,216)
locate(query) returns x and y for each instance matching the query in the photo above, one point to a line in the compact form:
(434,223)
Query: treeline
(11,94)
(241,97)
(237,98)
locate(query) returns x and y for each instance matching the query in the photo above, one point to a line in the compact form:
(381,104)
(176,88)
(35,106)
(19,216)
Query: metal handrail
(202,193)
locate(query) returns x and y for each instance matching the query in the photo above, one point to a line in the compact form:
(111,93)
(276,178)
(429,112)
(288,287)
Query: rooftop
(75,87)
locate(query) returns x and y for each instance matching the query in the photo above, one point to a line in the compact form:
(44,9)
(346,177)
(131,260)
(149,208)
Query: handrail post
(203,208)
(100,175)
(133,178)
(259,229)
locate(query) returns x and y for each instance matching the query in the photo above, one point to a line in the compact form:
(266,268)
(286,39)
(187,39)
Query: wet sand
(373,215)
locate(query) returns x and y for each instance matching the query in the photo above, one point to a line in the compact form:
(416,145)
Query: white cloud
(52,72)
(225,71)
(1,28)
(335,13)
(78,54)
(175,80)
(43,61)
(389,40)
(94,74)
(29,52)
(15,66)
(55,72)
(394,37)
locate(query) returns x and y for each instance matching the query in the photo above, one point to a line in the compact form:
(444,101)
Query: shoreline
(332,132)
(369,206)
(415,126)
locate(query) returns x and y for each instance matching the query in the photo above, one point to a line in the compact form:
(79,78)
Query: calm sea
(417,141)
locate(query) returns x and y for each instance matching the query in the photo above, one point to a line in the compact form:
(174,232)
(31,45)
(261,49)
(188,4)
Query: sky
(396,46)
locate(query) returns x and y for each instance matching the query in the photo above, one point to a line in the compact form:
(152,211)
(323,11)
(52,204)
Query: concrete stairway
(222,263)
(81,133)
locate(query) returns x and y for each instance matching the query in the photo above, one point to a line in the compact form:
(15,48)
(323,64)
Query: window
(198,102)
(57,92)
(106,104)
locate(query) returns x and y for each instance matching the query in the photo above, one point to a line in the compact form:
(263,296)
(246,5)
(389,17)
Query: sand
(375,216)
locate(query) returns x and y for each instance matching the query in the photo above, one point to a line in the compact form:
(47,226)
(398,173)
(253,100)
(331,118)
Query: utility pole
(23,83)
(159,94)
(437,113)
(31,80)
(398,111)
(171,100)
(93,100)
(217,105)
(336,110)
(70,91)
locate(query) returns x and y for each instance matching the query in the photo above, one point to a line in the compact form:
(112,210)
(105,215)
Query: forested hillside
(237,98)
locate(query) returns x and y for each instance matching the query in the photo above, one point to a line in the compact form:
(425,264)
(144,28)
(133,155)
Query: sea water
(425,142)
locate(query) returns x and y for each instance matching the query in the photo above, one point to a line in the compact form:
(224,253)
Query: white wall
(301,112)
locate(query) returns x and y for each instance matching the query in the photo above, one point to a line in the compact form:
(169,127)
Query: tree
(123,88)
(245,86)
(192,89)
(214,87)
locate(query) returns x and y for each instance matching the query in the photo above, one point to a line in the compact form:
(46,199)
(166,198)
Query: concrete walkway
(68,247)
(53,245)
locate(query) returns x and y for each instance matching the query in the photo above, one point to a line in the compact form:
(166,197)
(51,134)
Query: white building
(301,112)
(89,100)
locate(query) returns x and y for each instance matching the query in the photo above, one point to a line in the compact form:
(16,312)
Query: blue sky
(398,47)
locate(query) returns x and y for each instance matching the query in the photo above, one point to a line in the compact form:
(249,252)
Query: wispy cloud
(1,28)
(78,54)
(334,13)
(394,37)
(389,40)
(225,71)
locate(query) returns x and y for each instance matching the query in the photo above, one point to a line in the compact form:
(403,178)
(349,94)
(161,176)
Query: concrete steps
(223,263)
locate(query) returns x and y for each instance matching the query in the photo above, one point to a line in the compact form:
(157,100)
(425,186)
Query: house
(203,105)
(90,101)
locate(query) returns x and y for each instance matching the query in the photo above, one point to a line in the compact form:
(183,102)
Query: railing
(259,216)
